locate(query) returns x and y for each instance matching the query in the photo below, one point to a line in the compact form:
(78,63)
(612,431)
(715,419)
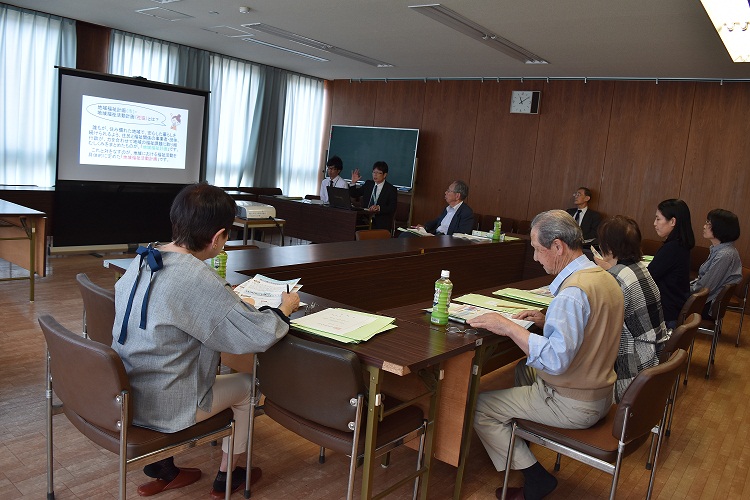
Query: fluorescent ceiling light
(454,20)
(295,52)
(315,44)
(731,18)
(166,14)
(165,1)
(228,31)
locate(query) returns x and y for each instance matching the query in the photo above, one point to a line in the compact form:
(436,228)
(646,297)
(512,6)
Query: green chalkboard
(360,147)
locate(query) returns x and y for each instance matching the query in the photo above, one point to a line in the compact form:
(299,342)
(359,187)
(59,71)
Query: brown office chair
(607,442)
(477,221)
(523,227)
(698,256)
(318,392)
(712,326)
(372,234)
(650,247)
(738,301)
(682,338)
(90,380)
(509,225)
(98,310)
(693,305)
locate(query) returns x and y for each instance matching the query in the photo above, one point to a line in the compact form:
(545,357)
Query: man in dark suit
(585,217)
(379,196)
(458,217)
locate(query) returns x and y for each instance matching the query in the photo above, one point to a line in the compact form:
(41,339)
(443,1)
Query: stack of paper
(494,304)
(266,291)
(344,325)
(538,297)
(419,231)
(462,313)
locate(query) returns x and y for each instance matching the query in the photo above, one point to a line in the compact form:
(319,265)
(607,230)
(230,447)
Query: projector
(254,210)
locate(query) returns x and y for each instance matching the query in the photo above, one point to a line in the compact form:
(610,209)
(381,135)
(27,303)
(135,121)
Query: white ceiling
(580,38)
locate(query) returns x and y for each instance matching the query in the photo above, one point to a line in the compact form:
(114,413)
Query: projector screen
(117,129)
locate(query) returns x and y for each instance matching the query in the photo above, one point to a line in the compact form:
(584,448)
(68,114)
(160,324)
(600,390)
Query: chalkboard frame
(361,146)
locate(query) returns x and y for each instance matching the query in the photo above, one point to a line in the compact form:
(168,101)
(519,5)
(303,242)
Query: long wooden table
(22,240)
(314,222)
(455,416)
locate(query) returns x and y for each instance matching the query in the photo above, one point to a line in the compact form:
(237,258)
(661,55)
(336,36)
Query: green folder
(524,296)
(493,303)
(375,325)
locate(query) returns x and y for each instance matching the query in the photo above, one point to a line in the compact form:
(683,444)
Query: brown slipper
(238,481)
(185,477)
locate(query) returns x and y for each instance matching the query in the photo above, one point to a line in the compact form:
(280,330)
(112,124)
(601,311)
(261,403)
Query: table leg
(373,415)
(430,437)
(471,403)
(32,264)
(244,234)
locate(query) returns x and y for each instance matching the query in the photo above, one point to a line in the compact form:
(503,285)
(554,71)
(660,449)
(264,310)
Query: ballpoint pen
(287,288)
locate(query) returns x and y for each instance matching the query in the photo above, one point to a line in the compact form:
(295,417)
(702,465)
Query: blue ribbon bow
(152,257)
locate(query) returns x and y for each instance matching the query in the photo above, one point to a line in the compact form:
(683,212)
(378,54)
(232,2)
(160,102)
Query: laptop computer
(339,197)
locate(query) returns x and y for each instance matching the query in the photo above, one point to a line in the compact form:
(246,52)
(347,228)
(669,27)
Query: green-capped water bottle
(219,264)
(496,230)
(443,289)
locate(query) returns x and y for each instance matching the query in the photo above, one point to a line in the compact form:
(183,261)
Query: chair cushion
(391,428)
(596,441)
(142,440)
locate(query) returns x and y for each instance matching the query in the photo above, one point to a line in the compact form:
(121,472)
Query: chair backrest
(312,380)
(523,227)
(741,291)
(372,234)
(477,221)
(509,225)
(87,376)
(698,256)
(650,247)
(99,306)
(681,338)
(720,303)
(646,397)
(694,304)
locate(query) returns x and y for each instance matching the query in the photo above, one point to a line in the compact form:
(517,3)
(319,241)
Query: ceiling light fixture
(228,31)
(315,44)
(295,52)
(456,21)
(165,14)
(731,19)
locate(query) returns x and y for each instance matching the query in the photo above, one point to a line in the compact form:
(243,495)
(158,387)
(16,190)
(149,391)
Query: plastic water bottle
(219,264)
(496,230)
(443,289)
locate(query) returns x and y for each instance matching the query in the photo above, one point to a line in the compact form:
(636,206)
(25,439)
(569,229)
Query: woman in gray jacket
(174,316)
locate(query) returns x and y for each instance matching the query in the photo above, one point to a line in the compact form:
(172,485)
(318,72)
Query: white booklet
(266,291)
(419,231)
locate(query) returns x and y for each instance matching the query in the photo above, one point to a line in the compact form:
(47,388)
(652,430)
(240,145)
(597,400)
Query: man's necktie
(578,217)
(330,182)
(374,197)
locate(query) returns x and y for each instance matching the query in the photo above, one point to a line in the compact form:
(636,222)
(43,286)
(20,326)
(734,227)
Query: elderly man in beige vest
(568,376)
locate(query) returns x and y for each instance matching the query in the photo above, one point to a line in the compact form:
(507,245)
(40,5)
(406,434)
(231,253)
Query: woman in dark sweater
(671,265)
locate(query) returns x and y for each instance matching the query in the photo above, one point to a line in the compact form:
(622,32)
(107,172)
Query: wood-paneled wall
(634,143)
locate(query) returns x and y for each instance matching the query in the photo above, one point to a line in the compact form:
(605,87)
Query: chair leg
(712,352)
(322,456)
(254,400)
(48,397)
(509,460)
(690,357)
(557,462)
(739,330)
(420,460)
(671,405)
(386,461)
(649,459)
(659,440)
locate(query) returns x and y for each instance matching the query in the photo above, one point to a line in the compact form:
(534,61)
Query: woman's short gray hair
(557,224)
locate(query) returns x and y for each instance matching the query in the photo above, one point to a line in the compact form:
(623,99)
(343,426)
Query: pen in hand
(287,288)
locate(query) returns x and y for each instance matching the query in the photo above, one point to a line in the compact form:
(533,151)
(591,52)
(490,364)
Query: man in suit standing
(458,217)
(379,196)
(585,217)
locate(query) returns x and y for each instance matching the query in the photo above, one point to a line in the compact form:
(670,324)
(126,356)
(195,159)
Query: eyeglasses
(457,330)
(577,194)
(707,223)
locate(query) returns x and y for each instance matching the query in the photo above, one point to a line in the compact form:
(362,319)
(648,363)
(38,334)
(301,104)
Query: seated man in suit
(585,217)
(568,375)
(458,217)
(334,166)
(379,196)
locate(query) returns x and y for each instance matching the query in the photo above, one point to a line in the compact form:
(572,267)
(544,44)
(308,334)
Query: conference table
(383,275)
(22,240)
(313,221)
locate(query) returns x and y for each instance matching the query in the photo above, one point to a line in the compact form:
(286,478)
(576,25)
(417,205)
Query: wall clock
(525,102)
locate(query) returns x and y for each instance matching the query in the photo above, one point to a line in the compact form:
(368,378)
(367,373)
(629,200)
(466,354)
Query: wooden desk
(313,222)
(254,224)
(381,274)
(22,240)
(455,416)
